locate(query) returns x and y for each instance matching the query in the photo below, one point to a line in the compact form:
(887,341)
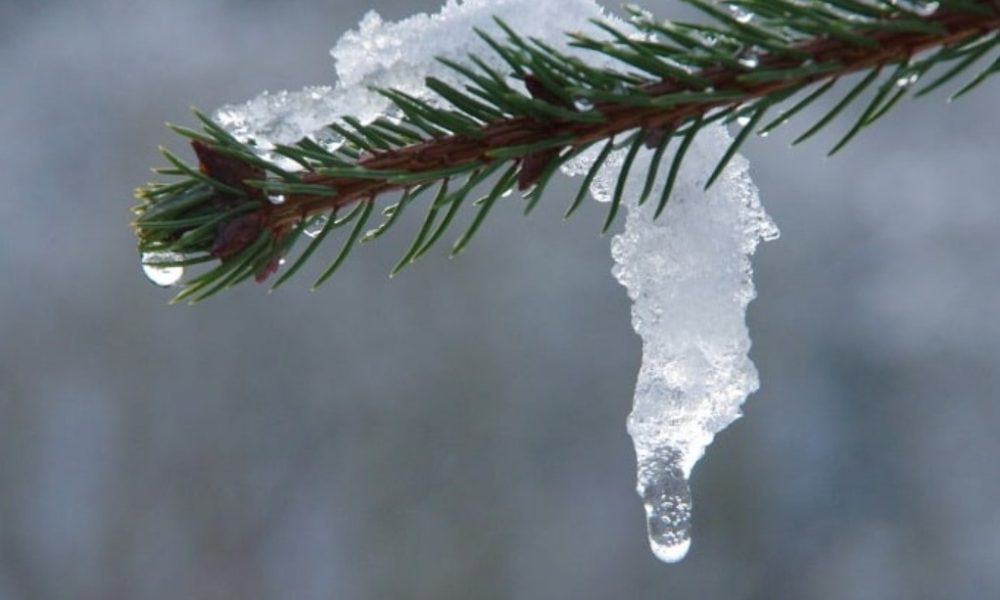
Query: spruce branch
(670,80)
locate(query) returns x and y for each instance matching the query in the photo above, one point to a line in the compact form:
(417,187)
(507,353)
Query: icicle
(688,273)
(689,276)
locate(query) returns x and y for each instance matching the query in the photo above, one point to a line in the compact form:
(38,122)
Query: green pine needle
(665,79)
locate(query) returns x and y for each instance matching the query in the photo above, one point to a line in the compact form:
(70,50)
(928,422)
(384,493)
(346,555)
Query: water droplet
(276,198)
(906,81)
(583,105)
(316,227)
(750,61)
(666,496)
(764,134)
(920,8)
(162,275)
(743,120)
(741,15)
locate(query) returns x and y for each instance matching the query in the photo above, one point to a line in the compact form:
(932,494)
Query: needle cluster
(757,63)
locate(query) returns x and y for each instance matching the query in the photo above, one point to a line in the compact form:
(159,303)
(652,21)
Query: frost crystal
(401,55)
(689,277)
(688,273)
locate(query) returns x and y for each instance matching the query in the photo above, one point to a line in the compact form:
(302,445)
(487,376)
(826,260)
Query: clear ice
(688,273)
(689,277)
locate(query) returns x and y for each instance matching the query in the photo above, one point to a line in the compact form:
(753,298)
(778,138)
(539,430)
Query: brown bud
(533,166)
(226,169)
(235,236)
(538,91)
(655,137)
(272,265)
(267,270)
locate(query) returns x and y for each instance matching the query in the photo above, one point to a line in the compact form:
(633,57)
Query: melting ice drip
(688,273)
(666,496)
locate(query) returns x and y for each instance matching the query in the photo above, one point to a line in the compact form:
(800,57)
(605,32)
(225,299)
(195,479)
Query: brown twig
(455,150)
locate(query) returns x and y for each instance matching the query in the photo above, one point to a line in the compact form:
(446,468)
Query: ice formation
(401,55)
(688,273)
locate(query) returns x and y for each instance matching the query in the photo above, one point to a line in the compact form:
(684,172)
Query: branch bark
(455,150)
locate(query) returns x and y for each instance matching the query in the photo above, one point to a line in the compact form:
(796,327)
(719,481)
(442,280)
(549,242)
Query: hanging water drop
(314,228)
(743,120)
(907,80)
(276,198)
(921,8)
(926,9)
(741,15)
(666,496)
(917,7)
(161,274)
(750,61)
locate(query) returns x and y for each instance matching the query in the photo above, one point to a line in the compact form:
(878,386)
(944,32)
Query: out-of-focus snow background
(460,431)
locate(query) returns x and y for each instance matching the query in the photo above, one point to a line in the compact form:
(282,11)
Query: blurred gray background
(459,432)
